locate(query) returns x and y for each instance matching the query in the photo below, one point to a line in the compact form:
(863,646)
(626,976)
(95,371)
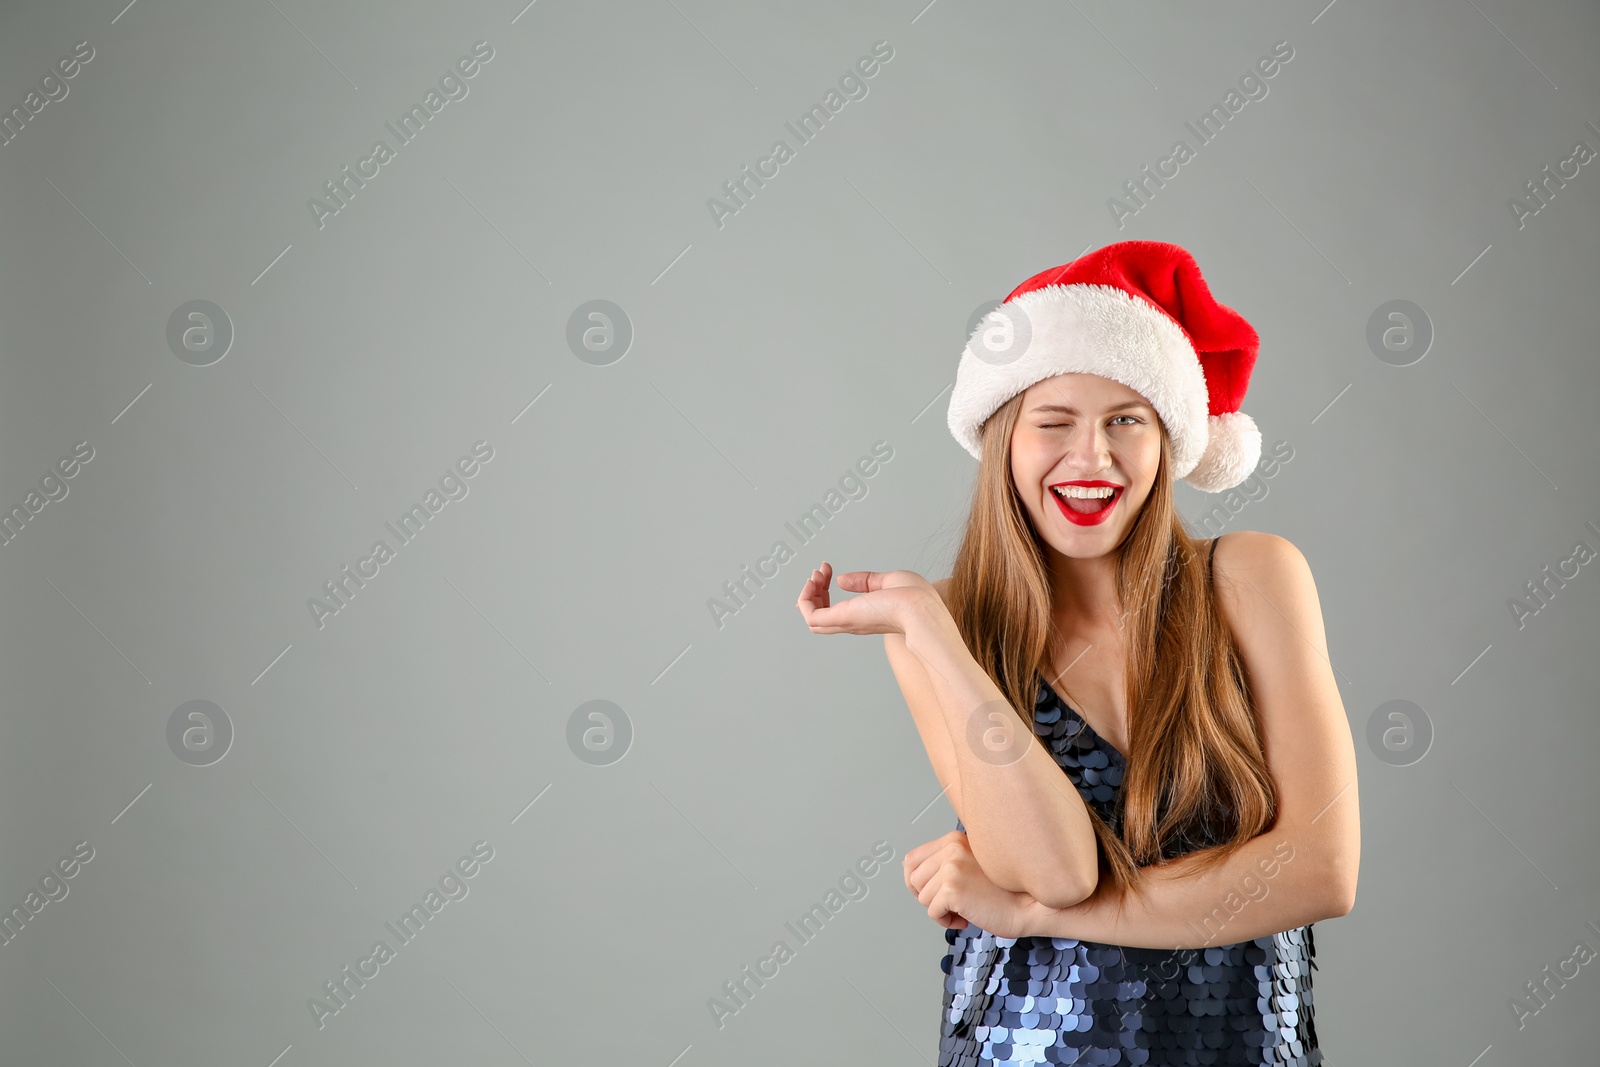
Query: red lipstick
(1093,518)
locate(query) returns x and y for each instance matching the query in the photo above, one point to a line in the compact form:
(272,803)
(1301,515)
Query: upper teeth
(1083,491)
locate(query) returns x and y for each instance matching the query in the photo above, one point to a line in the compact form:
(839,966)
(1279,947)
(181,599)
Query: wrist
(1036,919)
(928,625)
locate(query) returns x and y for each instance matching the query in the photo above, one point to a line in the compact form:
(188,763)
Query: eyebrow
(1068,410)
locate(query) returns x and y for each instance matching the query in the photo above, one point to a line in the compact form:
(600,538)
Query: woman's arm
(1267,886)
(1028,827)
(1304,867)
(916,688)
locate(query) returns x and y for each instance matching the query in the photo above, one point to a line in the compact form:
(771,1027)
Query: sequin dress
(1028,1000)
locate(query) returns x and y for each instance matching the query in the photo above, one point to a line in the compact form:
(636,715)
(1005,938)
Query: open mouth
(1090,505)
(1088,510)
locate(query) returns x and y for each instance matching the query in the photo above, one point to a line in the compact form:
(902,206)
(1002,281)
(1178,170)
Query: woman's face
(1084,428)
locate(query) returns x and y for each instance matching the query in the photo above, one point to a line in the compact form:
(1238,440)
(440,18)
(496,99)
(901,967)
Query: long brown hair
(1196,771)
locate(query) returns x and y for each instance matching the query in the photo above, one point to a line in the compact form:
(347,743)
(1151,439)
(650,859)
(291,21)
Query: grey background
(768,355)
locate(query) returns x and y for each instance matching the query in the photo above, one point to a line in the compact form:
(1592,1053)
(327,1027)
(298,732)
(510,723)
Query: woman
(1163,907)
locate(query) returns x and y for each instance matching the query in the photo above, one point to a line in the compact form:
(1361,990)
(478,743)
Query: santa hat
(1139,313)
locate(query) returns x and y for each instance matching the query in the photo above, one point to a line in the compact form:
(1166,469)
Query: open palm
(886,601)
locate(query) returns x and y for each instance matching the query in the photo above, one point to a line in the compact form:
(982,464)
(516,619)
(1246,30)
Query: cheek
(1027,463)
(1141,455)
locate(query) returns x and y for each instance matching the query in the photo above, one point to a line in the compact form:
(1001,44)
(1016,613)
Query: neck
(1083,595)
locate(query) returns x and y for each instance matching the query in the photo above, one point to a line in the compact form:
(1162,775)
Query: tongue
(1087,505)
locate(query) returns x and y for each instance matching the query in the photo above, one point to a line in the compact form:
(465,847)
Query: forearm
(1026,824)
(913,680)
(1266,887)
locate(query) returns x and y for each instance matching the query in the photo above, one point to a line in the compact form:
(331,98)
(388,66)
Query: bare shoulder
(1266,590)
(942,586)
(1254,549)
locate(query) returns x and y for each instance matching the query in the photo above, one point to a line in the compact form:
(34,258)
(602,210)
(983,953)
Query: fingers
(816,587)
(856,581)
(819,581)
(929,890)
(914,864)
(867,617)
(915,856)
(943,896)
(933,882)
(813,595)
(929,860)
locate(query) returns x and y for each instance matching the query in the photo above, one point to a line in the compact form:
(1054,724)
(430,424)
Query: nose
(1088,451)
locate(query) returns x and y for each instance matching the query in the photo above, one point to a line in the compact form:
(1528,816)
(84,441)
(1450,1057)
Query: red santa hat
(1139,313)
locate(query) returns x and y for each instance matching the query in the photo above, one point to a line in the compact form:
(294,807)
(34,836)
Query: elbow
(1065,890)
(1338,907)
(1343,904)
(1341,898)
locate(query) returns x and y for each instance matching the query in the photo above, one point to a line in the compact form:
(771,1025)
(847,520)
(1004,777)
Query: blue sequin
(1028,1000)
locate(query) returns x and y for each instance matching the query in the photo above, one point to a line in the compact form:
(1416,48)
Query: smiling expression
(1088,431)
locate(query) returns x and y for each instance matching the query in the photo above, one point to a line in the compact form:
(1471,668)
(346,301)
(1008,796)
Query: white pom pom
(1233,447)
